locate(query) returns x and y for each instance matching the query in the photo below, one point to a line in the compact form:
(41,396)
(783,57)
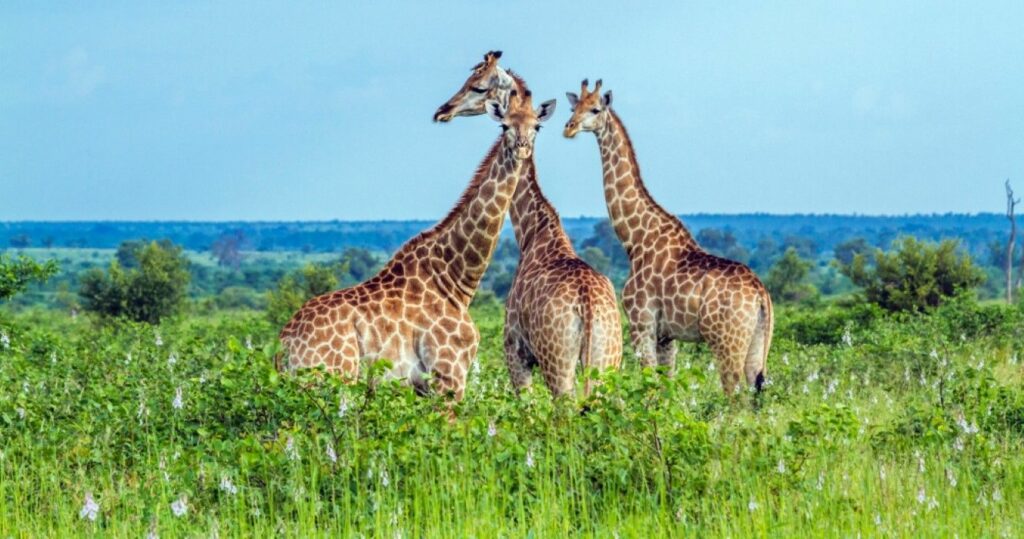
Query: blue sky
(322,111)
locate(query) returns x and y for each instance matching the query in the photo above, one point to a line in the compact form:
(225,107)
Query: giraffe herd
(562,316)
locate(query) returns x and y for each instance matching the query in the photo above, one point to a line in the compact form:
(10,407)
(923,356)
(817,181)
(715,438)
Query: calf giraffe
(415,311)
(675,289)
(560,312)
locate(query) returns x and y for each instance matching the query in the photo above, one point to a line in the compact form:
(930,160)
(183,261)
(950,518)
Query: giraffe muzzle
(570,129)
(444,113)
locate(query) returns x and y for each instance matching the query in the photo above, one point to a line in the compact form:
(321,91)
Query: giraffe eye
(504,127)
(538,127)
(596,111)
(478,90)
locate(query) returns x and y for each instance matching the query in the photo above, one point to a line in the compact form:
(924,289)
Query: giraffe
(560,312)
(415,311)
(675,290)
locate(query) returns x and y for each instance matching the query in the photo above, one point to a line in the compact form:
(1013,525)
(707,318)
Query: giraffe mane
(644,193)
(467,196)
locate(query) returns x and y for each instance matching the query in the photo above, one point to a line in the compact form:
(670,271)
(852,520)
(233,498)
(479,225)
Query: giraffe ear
(573,99)
(495,110)
(607,99)
(546,110)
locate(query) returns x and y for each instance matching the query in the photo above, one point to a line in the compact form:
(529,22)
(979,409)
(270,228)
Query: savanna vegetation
(138,396)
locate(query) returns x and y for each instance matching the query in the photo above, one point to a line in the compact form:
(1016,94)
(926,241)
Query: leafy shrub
(787,280)
(914,275)
(17,274)
(152,286)
(298,287)
(826,325)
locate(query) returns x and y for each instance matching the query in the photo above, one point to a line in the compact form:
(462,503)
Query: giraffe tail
(586,337)
(757,356)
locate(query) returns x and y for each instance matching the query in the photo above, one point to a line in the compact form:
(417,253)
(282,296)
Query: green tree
(604,238)
(298,287)
(787,280)
(361,263)
(597,259)
(16,274)
(153,288)
(913,275)
(845,251)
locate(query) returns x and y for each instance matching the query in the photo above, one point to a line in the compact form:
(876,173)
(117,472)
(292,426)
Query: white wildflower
(806,389)
(385,479)
(813,377)
(53,358)
(24,387)
(128,358)
(172,359)
(881,473)
(780,468)
(958,444)
(227,486)
(920,464)
(290,450)
(821,481)
(921,495)
(248,342)
(331,454)
(178,403)
(752,505)
(492,429)
(142,412)
(878,520)
(90,509)
(932,503)
(933,354)
(157,340)
(847,338)
(529,458)
(951,477)
(21,412)
(5,340)
(180,506)
(997,495)
(711,366)
(342,405)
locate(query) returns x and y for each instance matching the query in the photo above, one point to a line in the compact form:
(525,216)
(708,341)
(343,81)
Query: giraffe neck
(461,245)
(534,220)
(631,208)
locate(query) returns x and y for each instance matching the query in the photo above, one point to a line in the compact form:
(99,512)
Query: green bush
(787,280)
(914,275)
(151,287)
(16,274)
(298,287)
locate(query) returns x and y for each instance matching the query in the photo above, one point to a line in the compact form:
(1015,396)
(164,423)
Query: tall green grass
(872,426)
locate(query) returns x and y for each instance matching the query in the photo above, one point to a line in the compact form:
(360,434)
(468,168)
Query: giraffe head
(590,110)
(519,121)
(485,82)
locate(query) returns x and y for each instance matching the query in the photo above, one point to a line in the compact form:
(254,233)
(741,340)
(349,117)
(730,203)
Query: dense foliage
(914,275)
(145,283)
(18,273)
(871,424)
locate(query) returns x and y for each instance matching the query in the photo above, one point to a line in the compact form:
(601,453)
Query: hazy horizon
(217,113)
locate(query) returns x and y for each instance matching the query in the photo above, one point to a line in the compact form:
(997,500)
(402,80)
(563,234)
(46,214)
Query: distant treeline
(819,233)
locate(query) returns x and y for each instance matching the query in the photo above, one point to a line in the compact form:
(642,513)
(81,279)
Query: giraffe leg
(644,340)
(518,359)
(730,351)
(667,355)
